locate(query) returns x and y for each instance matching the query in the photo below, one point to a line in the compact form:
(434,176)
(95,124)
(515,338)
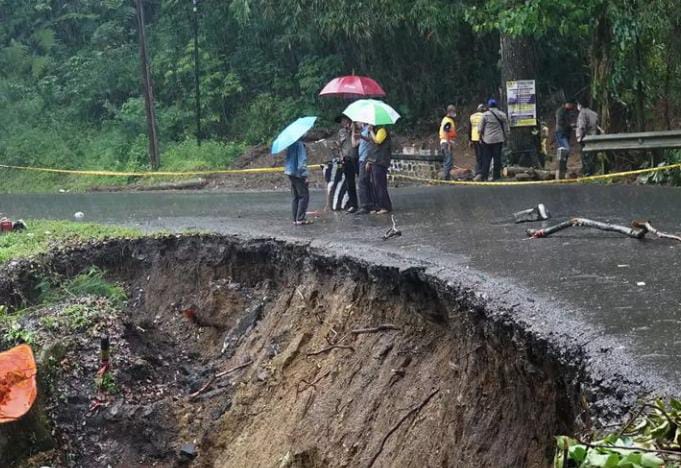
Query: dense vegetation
(70,89)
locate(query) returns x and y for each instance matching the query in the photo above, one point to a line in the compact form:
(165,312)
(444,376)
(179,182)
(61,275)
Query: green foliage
(672,177)
(11,329)
(633,446)
(42,234)
(107,384)
(90,283)
(71,96)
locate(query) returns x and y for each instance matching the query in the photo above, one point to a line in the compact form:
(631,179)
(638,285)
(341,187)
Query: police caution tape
(275,170)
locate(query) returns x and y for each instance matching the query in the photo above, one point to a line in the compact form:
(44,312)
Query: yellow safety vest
(475,120)
(447,136)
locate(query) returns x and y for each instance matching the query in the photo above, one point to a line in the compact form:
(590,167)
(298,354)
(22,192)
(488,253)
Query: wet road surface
(623,288)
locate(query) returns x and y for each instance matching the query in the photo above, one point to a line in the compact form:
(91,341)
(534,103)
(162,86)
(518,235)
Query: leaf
(578,453)
(602,460)
(650,460)
(675,404)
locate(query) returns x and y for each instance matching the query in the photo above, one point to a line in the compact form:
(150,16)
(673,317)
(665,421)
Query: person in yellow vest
(447,137)
(474,137)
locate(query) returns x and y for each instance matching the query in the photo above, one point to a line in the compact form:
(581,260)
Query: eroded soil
(236,354)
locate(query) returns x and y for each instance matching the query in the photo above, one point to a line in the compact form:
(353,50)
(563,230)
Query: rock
(462,174)
(53,353)
(262,375)
(188,451)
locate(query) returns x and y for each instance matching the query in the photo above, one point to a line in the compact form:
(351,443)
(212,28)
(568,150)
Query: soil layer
(261,353)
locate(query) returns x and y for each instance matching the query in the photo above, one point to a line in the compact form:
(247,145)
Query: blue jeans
(447,160)
(563,140)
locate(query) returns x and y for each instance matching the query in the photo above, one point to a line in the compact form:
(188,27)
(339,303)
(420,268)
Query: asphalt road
(622,288)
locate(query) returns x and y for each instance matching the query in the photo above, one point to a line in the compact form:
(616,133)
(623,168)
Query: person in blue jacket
(295,167)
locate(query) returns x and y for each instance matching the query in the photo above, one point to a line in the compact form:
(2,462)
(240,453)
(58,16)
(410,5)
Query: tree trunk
(154,159)
(519,62)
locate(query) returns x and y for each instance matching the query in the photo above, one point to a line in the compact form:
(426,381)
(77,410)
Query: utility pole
(154,158)
(196,72)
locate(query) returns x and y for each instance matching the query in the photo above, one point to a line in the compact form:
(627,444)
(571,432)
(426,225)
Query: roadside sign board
(521,99)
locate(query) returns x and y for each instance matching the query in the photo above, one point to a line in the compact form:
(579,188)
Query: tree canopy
(70,76)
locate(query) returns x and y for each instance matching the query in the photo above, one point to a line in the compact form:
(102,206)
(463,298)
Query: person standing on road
(493,128)
(378,164)
(447,136)
(295,167)
(587,124)
(474,136)
(348,152)
(362,140)
(564,124)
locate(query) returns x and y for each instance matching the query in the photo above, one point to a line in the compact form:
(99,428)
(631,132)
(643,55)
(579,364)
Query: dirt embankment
(260,353)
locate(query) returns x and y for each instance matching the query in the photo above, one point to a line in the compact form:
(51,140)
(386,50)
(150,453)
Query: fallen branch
(414,410)
(584,222)
(385,326)
(649,228)
(233,369)
(330,348)
(202,389)
(309,384)
(393,231)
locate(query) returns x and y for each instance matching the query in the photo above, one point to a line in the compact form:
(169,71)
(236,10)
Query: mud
(262,353)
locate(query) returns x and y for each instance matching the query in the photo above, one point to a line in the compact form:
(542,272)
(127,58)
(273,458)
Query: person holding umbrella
(349,156)
(354,87)
(378,163)
(295,165)
(362,139)
(376,149)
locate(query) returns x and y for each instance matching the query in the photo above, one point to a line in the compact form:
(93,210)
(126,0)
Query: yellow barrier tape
(275,170)
(579,180)
(257,170)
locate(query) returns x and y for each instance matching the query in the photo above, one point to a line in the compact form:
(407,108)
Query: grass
(90,283)
(43,234)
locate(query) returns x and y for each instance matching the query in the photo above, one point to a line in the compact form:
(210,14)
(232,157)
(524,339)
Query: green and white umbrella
(371,111)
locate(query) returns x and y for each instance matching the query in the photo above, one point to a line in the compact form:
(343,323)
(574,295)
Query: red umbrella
(352,86)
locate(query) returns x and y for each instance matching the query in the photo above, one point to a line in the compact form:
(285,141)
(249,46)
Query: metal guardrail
(435,157)
(632,141)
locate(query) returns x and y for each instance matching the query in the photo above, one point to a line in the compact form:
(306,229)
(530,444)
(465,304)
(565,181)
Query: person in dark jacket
(378,164)
(349,157)
(565,116)
(494,130)
(295,167)
(361,137)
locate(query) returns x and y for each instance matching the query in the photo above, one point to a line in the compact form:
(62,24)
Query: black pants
(491,153)
(350,168)
(301,197)
(366,192)
(588,162)
(379,181)
(478,157)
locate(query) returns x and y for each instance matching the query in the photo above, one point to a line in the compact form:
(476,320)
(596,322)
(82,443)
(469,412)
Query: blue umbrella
(292,133)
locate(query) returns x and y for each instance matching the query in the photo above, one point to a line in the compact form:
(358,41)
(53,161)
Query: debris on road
(584,222)
(638,230)
(649,228)
(7,225)
(393,231)
(538,213)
